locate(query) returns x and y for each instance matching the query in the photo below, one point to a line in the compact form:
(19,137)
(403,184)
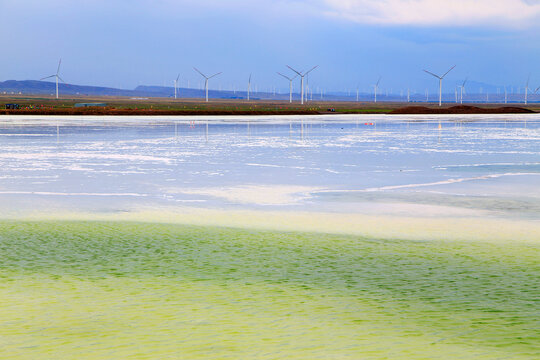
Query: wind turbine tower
(206,78)
(249,87)
(536,90)
(302,75)
(290,85)
(57,76)
(527,90)
(376,88)
(176,85)
(440,81)
(462,90)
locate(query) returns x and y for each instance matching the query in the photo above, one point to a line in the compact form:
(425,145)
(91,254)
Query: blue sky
(126,43)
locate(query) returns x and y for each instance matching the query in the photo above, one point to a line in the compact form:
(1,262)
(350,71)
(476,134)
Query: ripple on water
(102,290)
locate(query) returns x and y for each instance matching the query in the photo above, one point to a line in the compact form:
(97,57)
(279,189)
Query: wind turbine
(302,80)
(527,89)
(249,87)
(376,87)
(206,78)
(176,85)
(462,90)
(536,90)
(440,81)
(57,76)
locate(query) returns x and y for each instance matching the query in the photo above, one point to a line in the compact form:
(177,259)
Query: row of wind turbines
(303,74)
(290,79)
(462,87)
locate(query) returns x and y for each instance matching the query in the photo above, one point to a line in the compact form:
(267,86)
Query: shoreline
(410,110)
(460,110)
(147,112)
(117,106)
(390,227)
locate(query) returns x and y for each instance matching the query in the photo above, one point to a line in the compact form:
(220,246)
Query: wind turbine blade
(178,77)
(286,77)
(61,79)
(310,70)
(249,78)
(378,81)
(432,74)
(529,78)
(197,70)
(214,75)
(465,81)
(446,73)
(538,88)
(294,70)
(47,77)
(58,70)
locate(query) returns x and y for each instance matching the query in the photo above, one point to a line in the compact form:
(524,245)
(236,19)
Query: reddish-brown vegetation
(461,109)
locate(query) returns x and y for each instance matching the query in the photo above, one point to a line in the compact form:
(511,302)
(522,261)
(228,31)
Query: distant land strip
(460,109)
(152,112)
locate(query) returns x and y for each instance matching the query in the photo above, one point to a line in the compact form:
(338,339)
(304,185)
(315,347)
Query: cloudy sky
(125,43)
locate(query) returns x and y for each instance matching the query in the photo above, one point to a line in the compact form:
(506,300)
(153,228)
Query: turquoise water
(90,290)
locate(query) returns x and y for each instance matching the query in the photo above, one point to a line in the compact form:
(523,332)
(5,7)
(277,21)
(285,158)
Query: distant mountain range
(475,92)
(33,87)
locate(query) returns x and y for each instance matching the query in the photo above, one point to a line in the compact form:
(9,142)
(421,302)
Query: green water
(99,290)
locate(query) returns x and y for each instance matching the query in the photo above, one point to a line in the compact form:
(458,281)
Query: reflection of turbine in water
(206,78)
(440,81)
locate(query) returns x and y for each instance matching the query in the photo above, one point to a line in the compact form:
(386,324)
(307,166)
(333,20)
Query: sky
(126,43)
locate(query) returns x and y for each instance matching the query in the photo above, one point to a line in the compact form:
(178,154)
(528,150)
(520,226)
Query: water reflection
(158,158)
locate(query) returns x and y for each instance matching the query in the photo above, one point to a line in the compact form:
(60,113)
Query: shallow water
(284,162)
(102,290)
(278,237)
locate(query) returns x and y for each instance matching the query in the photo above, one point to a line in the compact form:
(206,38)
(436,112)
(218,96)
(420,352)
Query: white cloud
(497,13)
(509,13)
